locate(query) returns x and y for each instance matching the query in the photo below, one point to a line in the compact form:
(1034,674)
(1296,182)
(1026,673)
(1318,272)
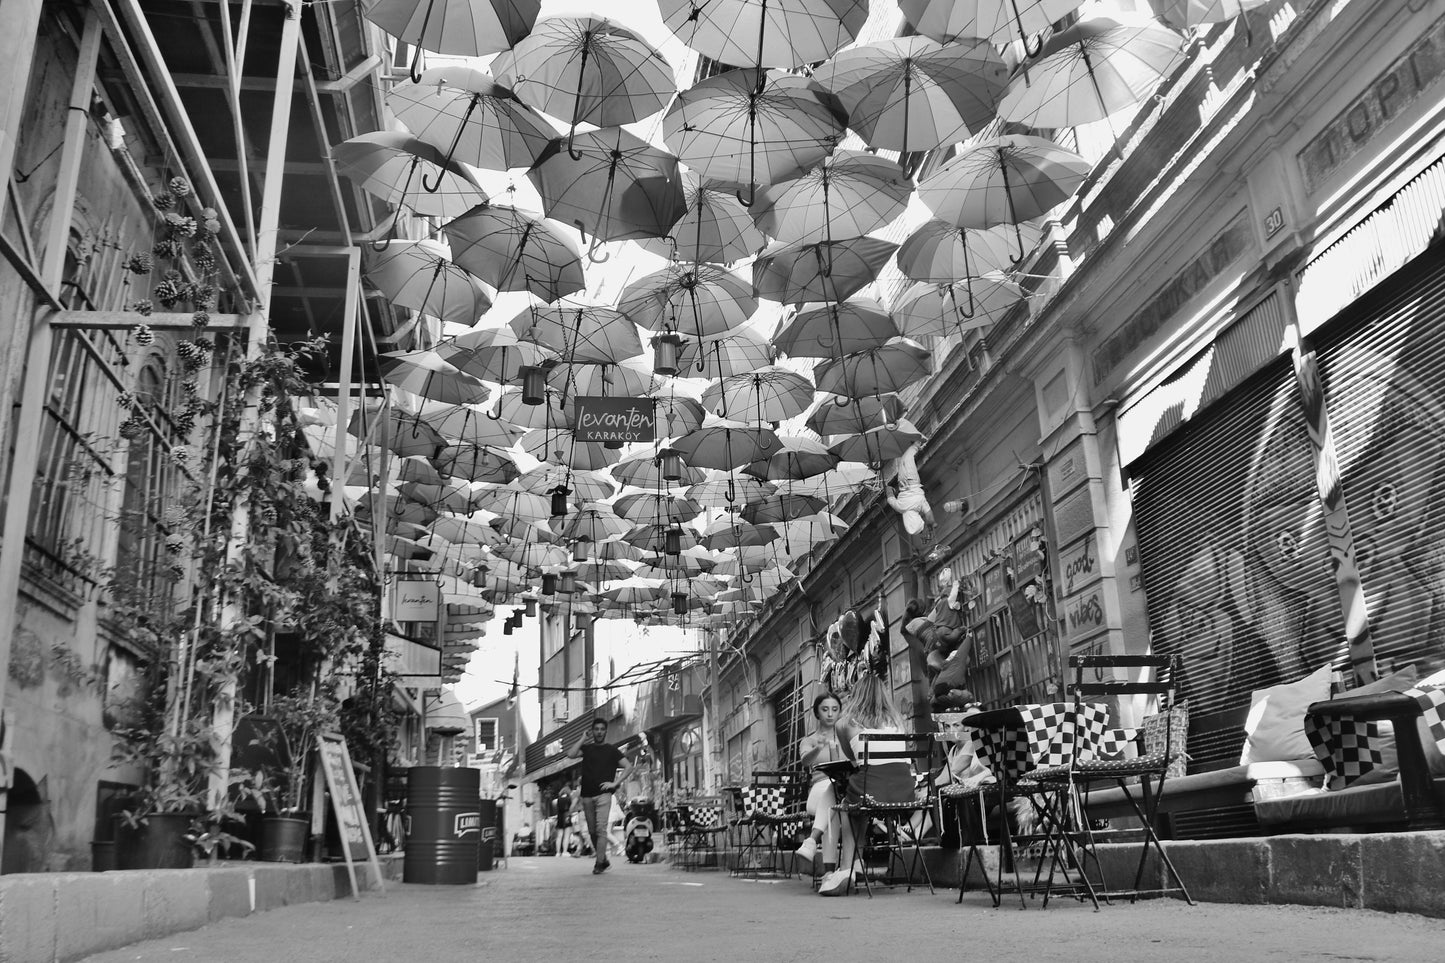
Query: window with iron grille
(790,724)
(488,739)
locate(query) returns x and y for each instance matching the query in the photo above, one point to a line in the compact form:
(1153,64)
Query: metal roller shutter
(1233,556)
(1383,368)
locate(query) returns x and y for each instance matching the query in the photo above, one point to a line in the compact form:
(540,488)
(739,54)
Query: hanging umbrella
(941,309)
(641,507)
(768,394)
(914,94)
(595,523)
(696,299)
(692,562)
(726,490)
(876,371)
(765,33)
(653,537)
(1005,180)
(862,415)
(562,448)
(426,375)
(819,271)
(610,184)
(836,328)
(465,113)
(716,227)
(494,354)
(880,444)
(999,21)
(725,445)
(1093,69)
(453,495)
(635,591)
(466,531)
(676,416)
(939,252)
(587,70)
(1196,13)
(420,276)
(740,351)
(643,469)
(848,194)
(780,507)
(580,332)
(516,251)
(392,166)
(631,377)
(552,413)
(467,424)
(468,28)
(413,468)
(746,559)
(584,486)
(531,554)
(511,503)
(596,570)
(615,550)
(751,128)
(405,433)
(730,532)
(395,509)
(477,463)
(845,480)
(797,456)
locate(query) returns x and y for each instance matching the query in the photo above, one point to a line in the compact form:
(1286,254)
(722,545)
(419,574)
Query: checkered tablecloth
(1348,749)
(1044,737)
(763,800)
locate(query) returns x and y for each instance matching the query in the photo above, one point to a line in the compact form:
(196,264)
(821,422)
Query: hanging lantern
(580,552)
(664,353)
(568,584)
(515,618)
(534,384)
(559,501)
(671,465)
(507,627)
(672,540)
(531,606)
(679,603)
(582,620)
(549,585)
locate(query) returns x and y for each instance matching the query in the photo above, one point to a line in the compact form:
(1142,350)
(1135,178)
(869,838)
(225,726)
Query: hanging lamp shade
(679,603)
(549,585)
(672,467)
(559,501)
(530,605)
(534,384)
(579,549)
(672,540)
(665,348)
(507,627)
(567,583)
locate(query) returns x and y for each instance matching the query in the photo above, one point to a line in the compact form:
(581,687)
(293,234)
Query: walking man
(600,778)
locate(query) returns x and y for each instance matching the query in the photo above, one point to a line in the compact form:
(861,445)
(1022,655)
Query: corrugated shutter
(1383,368)
(1233,556)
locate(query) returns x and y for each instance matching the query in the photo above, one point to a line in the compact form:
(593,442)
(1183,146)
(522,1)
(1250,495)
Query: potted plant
(296,719)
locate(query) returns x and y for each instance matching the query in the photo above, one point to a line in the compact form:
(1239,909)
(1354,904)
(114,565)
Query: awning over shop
(411,659)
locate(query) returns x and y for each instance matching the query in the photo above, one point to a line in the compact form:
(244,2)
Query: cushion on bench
(1207,790)
(1341,810)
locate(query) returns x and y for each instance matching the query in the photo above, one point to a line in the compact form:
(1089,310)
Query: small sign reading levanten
(602,418)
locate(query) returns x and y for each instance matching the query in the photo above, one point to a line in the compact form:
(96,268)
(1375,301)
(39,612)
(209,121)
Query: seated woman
(820,746)
(869,710)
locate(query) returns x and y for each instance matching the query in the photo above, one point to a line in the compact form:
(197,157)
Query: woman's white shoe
(835,883)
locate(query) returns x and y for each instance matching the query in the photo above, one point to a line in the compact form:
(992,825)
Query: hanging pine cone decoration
(267,515)
(175,544)
(143,307)
(180,187)
(191,387)
(184,424)
(177,570)
(200,319)
(180,225)
(143,334)
(140,263)
(204,296)
(190,354)
(125,401)
(168,290)
(181,455)
(163,201)
(132,428)
(169,248)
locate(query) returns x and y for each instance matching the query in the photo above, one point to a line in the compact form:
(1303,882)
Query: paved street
(554,909)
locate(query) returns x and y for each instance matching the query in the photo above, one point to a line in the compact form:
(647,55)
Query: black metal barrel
(441,843)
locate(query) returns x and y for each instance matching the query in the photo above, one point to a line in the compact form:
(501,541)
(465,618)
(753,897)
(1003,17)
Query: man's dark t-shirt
(600,762)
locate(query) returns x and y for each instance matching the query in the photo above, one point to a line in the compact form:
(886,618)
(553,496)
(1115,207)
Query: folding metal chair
(1141,778)
(900,843)
(700,825)
(767,808)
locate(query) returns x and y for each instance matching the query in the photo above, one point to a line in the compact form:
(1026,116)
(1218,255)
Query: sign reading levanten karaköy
(603,418)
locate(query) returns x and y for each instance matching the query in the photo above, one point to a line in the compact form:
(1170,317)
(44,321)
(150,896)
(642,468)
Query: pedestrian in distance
(600,779)
(564,817)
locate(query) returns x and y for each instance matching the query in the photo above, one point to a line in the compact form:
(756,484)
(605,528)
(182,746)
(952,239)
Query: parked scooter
(642,819)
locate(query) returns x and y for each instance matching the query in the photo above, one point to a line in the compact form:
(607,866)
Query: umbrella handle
(576,155)
(416,58)
(672,241)
(1024,37)
(597,241)
(752,192)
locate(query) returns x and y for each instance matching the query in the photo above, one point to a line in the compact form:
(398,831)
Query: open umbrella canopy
(561,447)
(676,414)
(531,554)
(426,375)
(833,328)
(582,485)
(1090,70)
(1194,13)
(878,444)
(468,28)
(516,251)
(797,456)
(631,377)
(419,275)
(474,462)
(877,371)
(847,194)
(466,531)
(723,444)
(691,562)
(716,228)
(466,114)
(392,166)
(640,507)
(453,495)
(610,184)
(781,507)
(468,424)
(635,591)
(767,394)
(493,354)
(552,413)
(750,127)
(732,532)
(765,33)
(510,503)
(1000,22)
(942,309)
(804,271)
(595,523)
(847,479)
(653,537)
(600,570)
(942,253)
(863,414)
(699,300)
(580,332)
(740,351)
(643,469)
(726,490)
(404,433)
(914,94)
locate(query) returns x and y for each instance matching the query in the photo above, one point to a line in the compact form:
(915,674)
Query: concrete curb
(57,917)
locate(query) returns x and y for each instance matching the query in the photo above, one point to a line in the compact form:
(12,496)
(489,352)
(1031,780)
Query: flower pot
(102,855)
(283,838)
(159,842)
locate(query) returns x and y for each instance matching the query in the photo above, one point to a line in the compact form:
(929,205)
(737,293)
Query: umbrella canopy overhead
(587,70)
(393,166)
(725,445)
(477,463)
(716,228)
(781,508)
(426,375)
(561,447)
(797,456)
(404,433)
(631,377)
(942,253)
(493,354)
(848,194)
(836,328)
(420,275)
(767,394)
(516,251)
(765,33)
(468,424)
(583,486)
(878,444)
(915,94)
(643,469)
(677,415)
(740,351)
(468,116)
(595,523)
(610,184)
(699,300)
(819,271)
(640,507)
(942,309)
(579,332)
(946,20)
(729,490)
(749,127)
(862,415)
(468,28)
(877,371)
(552,413)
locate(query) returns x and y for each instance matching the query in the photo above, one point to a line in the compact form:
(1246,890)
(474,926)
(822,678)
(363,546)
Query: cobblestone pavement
(555,909)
